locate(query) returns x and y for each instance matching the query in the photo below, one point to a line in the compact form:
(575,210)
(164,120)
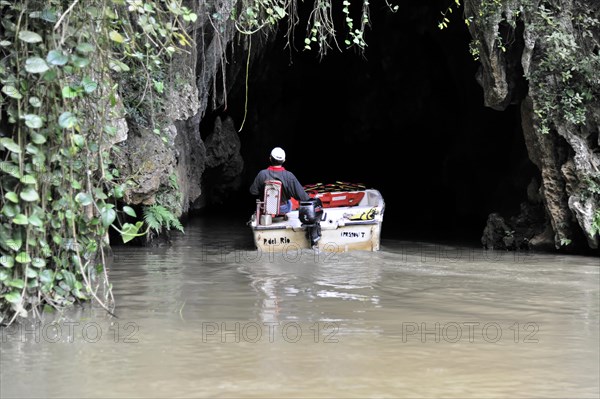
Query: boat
(338,217)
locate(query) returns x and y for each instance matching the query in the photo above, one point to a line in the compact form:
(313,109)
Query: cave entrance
(407,118)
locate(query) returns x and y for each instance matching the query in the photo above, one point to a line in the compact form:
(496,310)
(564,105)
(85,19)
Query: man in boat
(291,187)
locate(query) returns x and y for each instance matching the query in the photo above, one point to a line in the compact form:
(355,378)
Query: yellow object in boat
(366,215)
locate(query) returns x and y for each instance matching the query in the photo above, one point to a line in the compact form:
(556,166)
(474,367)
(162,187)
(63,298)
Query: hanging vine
(61,112)
(72,74)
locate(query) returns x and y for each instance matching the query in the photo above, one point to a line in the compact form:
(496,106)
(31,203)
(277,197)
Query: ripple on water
(360,324)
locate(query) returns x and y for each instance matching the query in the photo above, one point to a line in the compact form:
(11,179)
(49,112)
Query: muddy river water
(210,317)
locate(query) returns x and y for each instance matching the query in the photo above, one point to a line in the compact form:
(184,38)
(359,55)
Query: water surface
(210,317)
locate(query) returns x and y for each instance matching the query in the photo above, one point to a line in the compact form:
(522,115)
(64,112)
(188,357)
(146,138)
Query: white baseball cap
(278,154)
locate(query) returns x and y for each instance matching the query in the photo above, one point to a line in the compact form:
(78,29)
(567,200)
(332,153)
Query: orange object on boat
(295,204)
(333,200)
(338,199)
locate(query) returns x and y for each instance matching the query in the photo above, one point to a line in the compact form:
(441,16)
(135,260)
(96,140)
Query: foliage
(253,16)
(71,72)
(565,64)
(565,80)
(169,195)
(446,14)
(157,217)
(567,77)
(62,68)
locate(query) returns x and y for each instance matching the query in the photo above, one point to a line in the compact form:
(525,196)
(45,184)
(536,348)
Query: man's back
(291,185)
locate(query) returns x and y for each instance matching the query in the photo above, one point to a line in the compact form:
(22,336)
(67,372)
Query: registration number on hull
(353,234)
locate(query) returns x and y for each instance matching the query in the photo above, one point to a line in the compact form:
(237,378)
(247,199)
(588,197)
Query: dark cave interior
(406,117)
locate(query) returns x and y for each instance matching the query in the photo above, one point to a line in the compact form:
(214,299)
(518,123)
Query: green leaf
(20,219)
(23,257)
(79,140)
(28,179)
(118,66)
(31,149)
(12,92)
(99,194)
(29,37)
(57,57)
(38,138)
(129,210)
(35,221)
(10,145)
(33,121)
(7,261)
(46,276)
(280,11)
(111,130)
(38,262)
(85,48)
(116,36)
(3,274)
(12,197)
(29,194)
(84,199)
(67,120)
(130,231)
(13,297)
(93,12)
(47,15)
(69,92)
(10,168)
(36,65)
(16,283)
(88,85)
(118,191)
(10,210)
(69,279)
(50,76)
(35,102)
(15,245)
(80,62)
(31,273)
(192,17)
(107,216)
(159,86)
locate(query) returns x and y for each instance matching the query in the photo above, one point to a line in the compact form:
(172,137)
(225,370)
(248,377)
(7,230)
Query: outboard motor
(310,214)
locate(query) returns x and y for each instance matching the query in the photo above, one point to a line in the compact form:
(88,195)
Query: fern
(158,217)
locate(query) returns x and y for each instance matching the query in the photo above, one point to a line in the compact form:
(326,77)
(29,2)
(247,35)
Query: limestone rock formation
(224,163)
(168,166)
(556,49)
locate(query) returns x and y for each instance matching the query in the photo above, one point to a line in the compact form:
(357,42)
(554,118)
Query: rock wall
(514,43)
(201,162)
(169,166)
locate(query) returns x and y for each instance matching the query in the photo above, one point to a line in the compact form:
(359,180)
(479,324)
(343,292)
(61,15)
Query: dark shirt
(291,187)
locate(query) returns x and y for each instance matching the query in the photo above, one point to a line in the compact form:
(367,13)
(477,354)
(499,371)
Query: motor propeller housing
(311,211)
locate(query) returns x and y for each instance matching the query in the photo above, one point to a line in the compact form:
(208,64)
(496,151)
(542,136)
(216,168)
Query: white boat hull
(338,232)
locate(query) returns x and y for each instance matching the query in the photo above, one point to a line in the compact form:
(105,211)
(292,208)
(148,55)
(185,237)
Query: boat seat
(272,199)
